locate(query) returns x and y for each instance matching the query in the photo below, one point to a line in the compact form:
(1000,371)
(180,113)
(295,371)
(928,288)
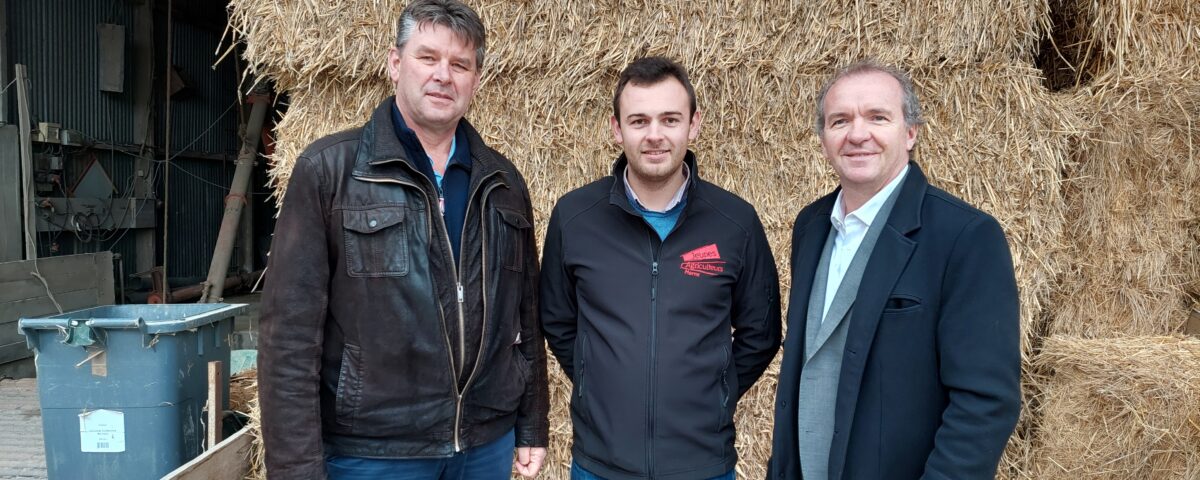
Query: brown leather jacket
(364,310)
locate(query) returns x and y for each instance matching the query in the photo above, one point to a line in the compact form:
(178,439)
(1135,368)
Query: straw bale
(306,39)
(1133,210)
(243,388)
(995,136)
(1119,408)
(1122,37)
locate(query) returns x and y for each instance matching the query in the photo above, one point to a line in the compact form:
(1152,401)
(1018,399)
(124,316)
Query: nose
(858,132)
(441,71)
(654,132)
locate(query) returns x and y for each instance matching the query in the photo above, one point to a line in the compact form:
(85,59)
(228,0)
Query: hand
(529,460)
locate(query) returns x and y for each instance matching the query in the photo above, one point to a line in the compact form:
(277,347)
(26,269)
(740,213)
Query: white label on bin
(102,431)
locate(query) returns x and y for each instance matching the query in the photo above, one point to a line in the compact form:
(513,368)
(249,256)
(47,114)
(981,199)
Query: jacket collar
(618,197)
(379,148)
(906,214)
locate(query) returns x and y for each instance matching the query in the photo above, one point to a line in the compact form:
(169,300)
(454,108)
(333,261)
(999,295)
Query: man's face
(435,77)
(655,128)
(866,139)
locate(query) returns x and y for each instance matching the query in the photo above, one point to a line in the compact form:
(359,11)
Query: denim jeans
(578,473)
(491,461)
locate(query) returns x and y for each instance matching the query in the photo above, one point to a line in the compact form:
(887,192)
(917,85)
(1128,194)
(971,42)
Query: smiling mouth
(655,152)
(440,96)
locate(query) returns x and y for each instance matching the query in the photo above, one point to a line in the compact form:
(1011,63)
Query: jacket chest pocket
(512,229)
(376,242)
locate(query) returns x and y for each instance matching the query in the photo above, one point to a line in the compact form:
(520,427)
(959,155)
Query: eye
(460,67)
(671,121)
(879,118)
(637,122)
(836,122)
(425,58)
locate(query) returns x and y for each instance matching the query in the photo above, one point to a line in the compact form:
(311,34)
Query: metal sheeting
(210,95)
(58,42)
(198,189)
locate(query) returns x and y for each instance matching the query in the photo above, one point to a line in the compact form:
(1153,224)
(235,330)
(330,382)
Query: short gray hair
(452,14)
(912,106)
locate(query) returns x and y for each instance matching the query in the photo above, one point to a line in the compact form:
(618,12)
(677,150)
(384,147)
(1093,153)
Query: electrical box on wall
(47,132)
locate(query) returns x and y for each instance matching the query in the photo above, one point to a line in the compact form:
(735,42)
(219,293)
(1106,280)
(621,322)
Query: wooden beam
(216,410)
(229,459)
(26,159)
(14,351)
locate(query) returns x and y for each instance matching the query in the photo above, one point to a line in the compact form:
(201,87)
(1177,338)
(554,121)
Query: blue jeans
(491,461)
(578,473)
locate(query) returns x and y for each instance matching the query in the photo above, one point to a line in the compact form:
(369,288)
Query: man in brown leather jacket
(399,323)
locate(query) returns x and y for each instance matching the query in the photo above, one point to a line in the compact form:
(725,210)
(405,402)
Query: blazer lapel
(887,263)
(805,258)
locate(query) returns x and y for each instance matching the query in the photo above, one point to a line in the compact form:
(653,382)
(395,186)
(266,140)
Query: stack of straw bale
(1132,195)
(1061,171)
(1115,398)
(1120,408)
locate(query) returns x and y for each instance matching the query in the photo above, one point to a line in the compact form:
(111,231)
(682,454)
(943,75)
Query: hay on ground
(1119,408)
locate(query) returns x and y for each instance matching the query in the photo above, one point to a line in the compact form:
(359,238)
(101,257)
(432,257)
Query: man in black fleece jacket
(659,296)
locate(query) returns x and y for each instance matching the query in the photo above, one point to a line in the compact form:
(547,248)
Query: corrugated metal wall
(210,97)
(198,189)
(58,42)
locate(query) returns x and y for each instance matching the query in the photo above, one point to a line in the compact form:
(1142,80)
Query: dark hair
(452,14)
(909,102)
(649,71)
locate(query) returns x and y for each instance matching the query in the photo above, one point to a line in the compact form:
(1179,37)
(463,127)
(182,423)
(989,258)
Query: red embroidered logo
(704,260)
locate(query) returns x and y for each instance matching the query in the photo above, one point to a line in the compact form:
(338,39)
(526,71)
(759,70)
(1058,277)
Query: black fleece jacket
(660,338)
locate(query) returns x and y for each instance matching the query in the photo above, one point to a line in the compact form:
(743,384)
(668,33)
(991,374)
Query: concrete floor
(22,456)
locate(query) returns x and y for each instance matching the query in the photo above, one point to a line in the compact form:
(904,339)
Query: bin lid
(157,318)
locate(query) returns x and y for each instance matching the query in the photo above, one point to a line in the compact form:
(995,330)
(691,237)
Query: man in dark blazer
(902,358)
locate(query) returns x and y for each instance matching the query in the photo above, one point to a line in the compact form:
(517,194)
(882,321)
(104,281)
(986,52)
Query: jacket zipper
(459,290)
(483,291)
(653,352)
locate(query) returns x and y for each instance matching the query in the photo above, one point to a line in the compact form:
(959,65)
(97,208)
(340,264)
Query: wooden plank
(106,291)
(216,411)
(37,307)
(26,159)
(229,459)
(15,291)
(14,351)
(11,242)
(62,274)
(49,266)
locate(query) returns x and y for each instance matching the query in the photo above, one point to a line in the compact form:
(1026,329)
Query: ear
(694,129)
(616,130)
(911,138)
(393,64)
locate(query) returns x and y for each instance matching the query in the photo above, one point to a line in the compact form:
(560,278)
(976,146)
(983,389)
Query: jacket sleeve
(533,425)
(980,355)
(755,313)
(558,308)
(292,324)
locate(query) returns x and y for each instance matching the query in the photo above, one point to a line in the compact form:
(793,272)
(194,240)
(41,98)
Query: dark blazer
(930,378)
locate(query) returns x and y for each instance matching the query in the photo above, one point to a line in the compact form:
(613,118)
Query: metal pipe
(190,292)
(234,202)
